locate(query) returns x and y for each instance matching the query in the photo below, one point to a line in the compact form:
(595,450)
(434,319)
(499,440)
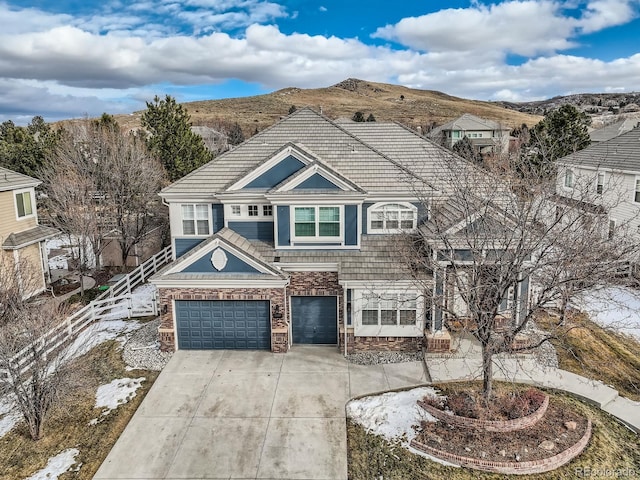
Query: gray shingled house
(296,237)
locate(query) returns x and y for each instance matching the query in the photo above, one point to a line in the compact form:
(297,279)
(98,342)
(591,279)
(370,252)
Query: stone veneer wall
(380,344)
(279,335)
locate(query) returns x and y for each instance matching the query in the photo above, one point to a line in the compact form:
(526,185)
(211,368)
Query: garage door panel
(223,324)
(314,319)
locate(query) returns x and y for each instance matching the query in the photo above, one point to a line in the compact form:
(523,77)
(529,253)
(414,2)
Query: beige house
(486,135)
(21,238)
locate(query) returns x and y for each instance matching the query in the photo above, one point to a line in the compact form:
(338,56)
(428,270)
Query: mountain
(595,104)
(411,107)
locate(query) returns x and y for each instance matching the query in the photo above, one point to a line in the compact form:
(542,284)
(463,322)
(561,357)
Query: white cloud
(521,27)
(108,61)
(601,14)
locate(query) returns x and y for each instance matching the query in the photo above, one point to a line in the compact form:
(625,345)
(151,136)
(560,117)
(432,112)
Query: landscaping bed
(371,454)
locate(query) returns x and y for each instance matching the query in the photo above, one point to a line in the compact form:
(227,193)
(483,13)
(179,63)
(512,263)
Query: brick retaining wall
(488,425)
(517,468)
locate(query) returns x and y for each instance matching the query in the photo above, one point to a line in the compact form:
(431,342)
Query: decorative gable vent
(219,259)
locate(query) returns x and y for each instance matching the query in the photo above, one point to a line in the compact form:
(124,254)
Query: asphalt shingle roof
(10,180)
(611,131)
(379,258)
(27,237)
(468,122)
(343,147)
(619,153)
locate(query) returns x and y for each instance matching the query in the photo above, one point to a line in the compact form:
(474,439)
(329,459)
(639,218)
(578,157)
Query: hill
(411,107)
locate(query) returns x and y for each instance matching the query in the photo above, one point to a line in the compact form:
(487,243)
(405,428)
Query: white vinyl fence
(113,303)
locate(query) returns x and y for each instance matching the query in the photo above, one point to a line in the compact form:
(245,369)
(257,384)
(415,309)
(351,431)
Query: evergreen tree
(24,149)
(562,131)
(371,118)
(358,117)
(179,149)
(292,109)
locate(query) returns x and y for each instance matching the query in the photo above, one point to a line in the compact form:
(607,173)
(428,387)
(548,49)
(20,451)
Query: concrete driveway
(238,414)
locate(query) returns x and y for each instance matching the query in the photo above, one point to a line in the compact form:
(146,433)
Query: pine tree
(179,149)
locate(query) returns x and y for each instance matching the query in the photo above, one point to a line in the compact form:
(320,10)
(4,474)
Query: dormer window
(391,217)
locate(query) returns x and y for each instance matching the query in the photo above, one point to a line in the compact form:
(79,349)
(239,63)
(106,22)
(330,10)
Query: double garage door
(245,325)
(223,324)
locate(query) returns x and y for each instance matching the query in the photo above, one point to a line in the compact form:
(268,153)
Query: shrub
(464,405)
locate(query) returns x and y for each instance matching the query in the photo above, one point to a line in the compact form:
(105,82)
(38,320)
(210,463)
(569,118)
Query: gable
(277,173)
(220,260)
(317,181)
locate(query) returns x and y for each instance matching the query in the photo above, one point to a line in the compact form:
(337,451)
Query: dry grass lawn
(67,426)
(612,447)
(601,354)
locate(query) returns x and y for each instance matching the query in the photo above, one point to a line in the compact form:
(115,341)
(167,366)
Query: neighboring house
(486,135)
(606,175)
(296,236)
(21,238)
(611,131)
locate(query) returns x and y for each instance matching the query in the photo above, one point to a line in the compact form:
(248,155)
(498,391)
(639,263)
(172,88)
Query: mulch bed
(522,445)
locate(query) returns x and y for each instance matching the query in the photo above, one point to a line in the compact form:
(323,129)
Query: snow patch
(57,465)
(393,415)
(9,416)
(617,308)
(116,393)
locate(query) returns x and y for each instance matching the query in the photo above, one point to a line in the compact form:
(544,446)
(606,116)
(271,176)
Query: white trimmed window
(24,204)
(636,193)
(316,222)
(195,219)
(389,309)
(267,210)
(236,210)
(568,178)
(391,217)
(600,183)
(252,210)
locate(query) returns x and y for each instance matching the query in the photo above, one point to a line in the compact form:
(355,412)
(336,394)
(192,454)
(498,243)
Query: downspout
(344,319)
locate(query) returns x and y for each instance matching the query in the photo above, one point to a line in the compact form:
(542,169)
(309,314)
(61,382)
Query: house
(21,237)
(296,237)
(608,132)
(606,175)
(486,135)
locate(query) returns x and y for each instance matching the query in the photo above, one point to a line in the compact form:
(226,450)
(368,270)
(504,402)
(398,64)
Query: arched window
(391,217)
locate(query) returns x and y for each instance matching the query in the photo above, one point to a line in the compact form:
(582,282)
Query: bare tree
(31,374)
(493,234)
(101,182)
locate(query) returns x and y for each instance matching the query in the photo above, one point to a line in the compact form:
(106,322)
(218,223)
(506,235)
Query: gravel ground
(142,350)
(376,358)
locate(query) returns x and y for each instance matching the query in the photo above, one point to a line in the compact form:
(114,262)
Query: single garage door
(314,319)
(223,324)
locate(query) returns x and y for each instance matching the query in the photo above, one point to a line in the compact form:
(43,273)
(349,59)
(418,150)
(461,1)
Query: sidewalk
(466,364)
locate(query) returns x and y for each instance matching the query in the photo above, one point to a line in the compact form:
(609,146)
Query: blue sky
(69,58)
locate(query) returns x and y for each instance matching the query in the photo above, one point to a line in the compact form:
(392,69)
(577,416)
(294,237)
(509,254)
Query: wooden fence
(117,302)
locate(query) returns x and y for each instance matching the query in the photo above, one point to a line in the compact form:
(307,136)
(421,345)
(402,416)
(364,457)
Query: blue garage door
(223,324)
(314,319)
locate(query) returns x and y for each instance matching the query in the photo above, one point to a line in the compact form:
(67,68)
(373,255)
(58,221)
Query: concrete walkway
(238,414)
(466,364)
